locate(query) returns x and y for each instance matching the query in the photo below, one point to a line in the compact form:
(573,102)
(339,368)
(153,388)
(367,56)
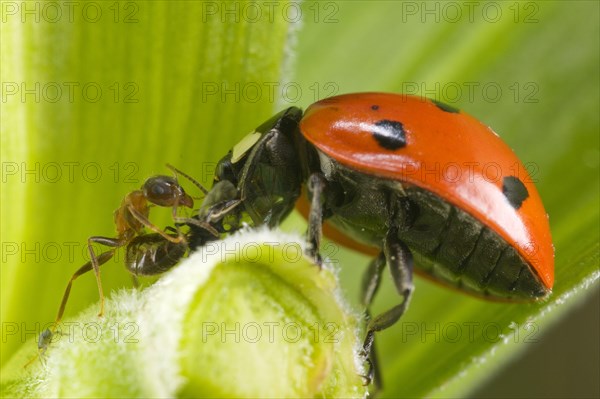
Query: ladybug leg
(370,285)
(220,201)
(196,222)
(254,156)
(316,186)
(400,261)
(219,211)
(371,280)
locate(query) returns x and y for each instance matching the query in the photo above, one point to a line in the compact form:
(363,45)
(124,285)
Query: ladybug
(409,179)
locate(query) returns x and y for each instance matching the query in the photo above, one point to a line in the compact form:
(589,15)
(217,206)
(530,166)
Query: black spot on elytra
(389,134)
(445,107)
(515,191)
(374,107)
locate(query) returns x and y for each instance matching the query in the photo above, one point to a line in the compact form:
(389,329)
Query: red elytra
(444,151)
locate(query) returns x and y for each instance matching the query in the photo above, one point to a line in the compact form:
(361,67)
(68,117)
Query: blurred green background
(97,96)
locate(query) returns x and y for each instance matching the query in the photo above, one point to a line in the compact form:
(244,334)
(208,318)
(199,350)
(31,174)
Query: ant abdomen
(152,254)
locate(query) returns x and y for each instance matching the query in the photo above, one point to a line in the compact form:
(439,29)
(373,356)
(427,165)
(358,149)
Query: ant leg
(95,263)
(177,172)
(370,284)
(45,338)
(316,186)
(177,219)
(144,220)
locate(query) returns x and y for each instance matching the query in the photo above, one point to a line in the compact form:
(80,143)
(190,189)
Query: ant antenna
(190,178)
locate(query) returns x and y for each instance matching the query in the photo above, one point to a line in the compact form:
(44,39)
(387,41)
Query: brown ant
(146,253)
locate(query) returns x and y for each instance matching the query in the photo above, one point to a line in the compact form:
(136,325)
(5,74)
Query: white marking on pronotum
(245,144)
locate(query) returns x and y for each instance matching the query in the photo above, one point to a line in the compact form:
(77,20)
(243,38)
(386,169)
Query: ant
(146,253)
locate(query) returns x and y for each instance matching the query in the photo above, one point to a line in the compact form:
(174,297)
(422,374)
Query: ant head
(166,191)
